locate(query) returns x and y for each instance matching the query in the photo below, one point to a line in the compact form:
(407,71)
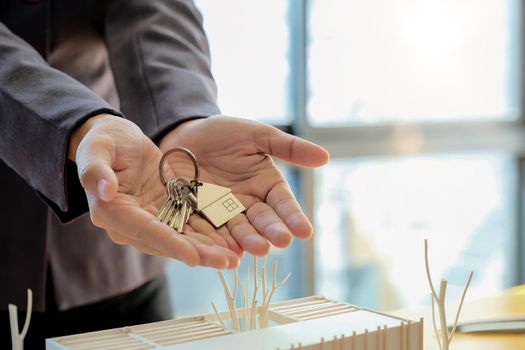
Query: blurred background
(420,105)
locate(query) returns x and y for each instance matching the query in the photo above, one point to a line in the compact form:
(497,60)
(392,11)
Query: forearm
(39,109)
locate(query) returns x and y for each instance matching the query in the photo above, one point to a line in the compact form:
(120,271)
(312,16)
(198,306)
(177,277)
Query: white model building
(312,323)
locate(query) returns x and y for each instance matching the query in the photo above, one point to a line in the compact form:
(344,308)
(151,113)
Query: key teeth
(180,204)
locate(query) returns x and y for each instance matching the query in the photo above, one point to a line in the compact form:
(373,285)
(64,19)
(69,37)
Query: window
(408,60)
(374,213)
(249,48)
(419,104)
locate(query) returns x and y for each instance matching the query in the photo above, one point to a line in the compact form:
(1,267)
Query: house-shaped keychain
(217,204)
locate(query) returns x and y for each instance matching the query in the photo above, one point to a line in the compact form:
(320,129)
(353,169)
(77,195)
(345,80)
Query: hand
(237,153)
(118,168)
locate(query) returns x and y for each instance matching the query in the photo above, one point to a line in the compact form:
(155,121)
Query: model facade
(312,323)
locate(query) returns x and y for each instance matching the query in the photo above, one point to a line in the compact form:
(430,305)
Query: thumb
(94,160)
(292,149)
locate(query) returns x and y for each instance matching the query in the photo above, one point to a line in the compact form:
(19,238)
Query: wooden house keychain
(216,204)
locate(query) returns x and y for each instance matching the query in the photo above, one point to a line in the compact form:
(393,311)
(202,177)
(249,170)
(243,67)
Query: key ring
(195,181)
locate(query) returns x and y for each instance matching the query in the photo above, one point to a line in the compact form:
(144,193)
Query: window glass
(249,49)
(373,215)
(376,61)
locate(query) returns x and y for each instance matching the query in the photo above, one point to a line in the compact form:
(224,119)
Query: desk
(508,305)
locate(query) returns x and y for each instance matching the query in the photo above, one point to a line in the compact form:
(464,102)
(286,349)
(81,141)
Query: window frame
(381,140)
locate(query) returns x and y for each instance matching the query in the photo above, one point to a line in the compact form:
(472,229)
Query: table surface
(508,305)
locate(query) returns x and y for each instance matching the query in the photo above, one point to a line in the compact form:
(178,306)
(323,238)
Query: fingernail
(210,262)
(236,264)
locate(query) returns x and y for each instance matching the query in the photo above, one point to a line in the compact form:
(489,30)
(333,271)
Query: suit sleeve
(160,59)
(39,108)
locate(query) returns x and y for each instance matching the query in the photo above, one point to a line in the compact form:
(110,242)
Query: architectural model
(312,323)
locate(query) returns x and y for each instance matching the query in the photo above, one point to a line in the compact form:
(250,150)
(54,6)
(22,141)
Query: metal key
(179,206)
(172,218)
(188,196)
(167,207)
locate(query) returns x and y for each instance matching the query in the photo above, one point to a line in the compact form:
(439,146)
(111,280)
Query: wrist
(78,134)
(170,139)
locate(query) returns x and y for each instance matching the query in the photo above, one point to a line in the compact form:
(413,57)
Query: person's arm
(46,117)
(160,59)
(159,54)
(39,109)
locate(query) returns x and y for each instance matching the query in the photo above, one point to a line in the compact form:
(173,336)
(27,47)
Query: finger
(232,256)
(283,202)
(142,227)
(210,255)
(220,236)
(247,237)
(212,237)
(94,160)
(232,243)
(269,224)
(291,148)
(158,236)
(198,224)
(233,259)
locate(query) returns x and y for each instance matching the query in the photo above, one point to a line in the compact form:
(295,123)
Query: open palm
(237,153)
(118,168)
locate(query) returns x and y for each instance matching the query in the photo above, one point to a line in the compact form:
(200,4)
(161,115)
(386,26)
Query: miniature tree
(253,315)
(17,339)
(444,337)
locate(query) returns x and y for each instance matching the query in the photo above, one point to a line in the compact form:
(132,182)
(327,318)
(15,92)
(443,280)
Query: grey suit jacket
(62,62)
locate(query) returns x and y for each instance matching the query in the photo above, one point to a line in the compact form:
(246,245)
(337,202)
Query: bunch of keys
(181,203)
(215,203)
